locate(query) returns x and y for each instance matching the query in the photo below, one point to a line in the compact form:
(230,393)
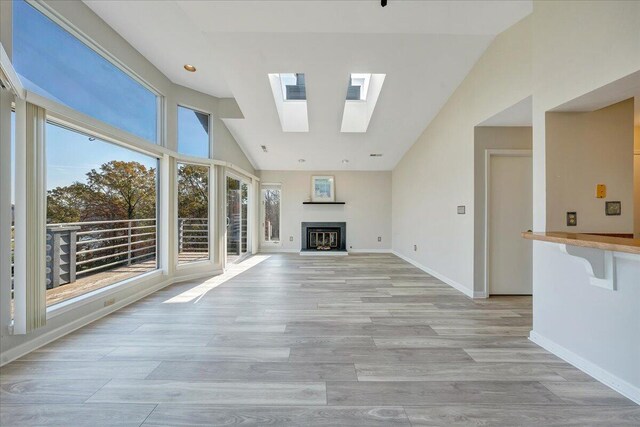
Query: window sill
(98,294)
(194,264)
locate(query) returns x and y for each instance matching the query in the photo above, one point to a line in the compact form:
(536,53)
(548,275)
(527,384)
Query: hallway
(364,339)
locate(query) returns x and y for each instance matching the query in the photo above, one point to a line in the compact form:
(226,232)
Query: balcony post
(61,255)
(129,243)
(180,235)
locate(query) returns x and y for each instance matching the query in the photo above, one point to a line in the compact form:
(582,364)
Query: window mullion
(30,214)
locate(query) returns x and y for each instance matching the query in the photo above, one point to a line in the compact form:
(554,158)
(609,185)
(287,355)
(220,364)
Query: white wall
(565,49)
(437,173)
(583,150)
(367,208)
(490,137)
(577,48)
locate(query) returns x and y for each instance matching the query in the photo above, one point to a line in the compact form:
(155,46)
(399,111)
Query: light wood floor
(298,341)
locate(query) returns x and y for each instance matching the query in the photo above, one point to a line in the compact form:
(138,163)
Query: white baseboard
(52,335)
(621,386)
(370,251)
(468,292)
(278,251)
(297,251)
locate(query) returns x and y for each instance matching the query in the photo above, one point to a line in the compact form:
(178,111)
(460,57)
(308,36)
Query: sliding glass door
(237,215)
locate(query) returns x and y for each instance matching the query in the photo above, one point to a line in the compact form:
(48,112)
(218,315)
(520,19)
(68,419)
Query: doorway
(237,219)
(509,213)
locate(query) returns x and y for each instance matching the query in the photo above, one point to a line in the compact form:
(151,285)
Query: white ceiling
(617,91)
(425,48)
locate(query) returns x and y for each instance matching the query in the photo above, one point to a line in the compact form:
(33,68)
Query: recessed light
(190,68)
(345,161)
(375,155)
(301,160)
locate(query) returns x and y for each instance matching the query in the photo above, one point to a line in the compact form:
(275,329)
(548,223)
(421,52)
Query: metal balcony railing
(79,249)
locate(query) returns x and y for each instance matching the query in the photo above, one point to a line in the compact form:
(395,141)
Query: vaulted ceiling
(425,48)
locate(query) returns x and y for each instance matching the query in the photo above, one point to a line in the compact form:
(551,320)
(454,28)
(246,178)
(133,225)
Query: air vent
(264,148)
(375,155)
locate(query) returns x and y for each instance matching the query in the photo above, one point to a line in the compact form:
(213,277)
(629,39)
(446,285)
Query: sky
(53,63)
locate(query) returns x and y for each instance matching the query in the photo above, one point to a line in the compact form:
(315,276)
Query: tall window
(271,196)
(193,133)
(55,64)
(101,213)
(193,213)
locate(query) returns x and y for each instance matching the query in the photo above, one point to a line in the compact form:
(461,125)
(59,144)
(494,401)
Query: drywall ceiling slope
(519,114)
(424,48)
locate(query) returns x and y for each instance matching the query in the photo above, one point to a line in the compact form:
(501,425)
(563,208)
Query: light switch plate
(462,210)
(291,238)
(601,191)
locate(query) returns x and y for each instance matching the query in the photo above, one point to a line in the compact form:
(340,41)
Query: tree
(193,191)
(117,190)
(272,213)
(127,185)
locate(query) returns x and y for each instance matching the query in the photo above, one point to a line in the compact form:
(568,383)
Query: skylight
(362,95)
(358,87)
(293,87)
(290,96)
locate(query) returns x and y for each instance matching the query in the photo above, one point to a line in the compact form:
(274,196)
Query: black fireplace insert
(324,236)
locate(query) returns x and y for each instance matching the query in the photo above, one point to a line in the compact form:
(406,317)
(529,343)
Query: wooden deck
(285,340)
(106,278)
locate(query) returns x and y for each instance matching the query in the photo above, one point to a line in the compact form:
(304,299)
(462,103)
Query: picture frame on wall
(323,188)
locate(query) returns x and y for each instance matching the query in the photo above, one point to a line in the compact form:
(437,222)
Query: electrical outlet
(415,247)
(379,239)
(109,302)
(291,238)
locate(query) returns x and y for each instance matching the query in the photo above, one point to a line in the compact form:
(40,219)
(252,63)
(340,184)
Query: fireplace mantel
(323,203)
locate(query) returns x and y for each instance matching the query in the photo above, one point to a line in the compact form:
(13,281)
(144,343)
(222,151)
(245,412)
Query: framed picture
(323,188)
(613,208)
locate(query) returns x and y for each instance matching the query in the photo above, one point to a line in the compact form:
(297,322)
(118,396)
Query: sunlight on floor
(233,270)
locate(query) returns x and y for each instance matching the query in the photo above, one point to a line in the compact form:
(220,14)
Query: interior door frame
(490,153)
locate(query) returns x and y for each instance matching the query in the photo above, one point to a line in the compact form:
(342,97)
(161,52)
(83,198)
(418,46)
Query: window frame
(210,261)
(249,182)
(210,136)
(61,21)
(263,213)
(7,182)
(80,300)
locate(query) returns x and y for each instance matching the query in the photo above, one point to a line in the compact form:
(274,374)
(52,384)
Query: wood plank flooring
(285,340)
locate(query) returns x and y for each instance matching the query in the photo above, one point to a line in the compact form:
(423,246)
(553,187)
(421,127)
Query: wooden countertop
(607,243)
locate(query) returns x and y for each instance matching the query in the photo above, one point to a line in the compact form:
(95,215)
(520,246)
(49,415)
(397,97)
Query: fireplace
(324,236)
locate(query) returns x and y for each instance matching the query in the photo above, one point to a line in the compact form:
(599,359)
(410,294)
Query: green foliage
(117,190)
(193,191)
(126,190)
